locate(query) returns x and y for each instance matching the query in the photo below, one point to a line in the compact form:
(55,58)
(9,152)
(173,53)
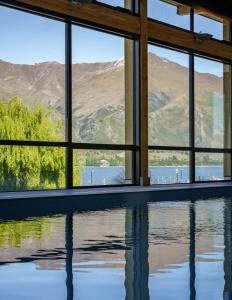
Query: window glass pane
(28,168)
(168,167)
(212,166)
(32,82)
(102,167)
(168,96)
(212,104)
(170,12)
(208,23)
(102,87)
(118,3)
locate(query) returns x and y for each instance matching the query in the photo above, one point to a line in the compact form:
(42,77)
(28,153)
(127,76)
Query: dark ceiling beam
(222,8)
(89,13)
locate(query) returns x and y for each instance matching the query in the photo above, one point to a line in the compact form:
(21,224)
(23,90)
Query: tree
(31,167)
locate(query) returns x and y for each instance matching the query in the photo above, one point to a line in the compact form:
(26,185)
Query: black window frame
(191,148)
(135,147)
(68,144)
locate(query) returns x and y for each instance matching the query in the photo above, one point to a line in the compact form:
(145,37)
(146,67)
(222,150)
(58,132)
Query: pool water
(161,250)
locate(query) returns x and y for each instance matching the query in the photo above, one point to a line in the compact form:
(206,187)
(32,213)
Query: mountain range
(98,95)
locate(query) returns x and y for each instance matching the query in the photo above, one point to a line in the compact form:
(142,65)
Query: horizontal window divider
(32,143)
(212,150)
(88,146)
(171,148)
(196,149)
(101,186)
(98,27)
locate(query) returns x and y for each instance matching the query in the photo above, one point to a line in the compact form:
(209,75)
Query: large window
(212,166)
(212,104)
(168,95)
(169,12)
(102,167)
(166,167)
(42,139)
(102,94)
(32,89)
(212,119)
(29,167)
(32,101)
(189,117)
(73,97)
(198,20)
(208,23)
(102,107)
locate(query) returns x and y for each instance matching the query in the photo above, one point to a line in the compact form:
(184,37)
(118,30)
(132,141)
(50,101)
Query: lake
(159,175)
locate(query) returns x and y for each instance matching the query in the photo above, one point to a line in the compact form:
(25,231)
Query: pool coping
(79,193)
(21,205)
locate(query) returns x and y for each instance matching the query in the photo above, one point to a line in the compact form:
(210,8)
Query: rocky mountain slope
(99,99)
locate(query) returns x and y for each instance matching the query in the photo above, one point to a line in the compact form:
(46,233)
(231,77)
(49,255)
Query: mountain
(99,99)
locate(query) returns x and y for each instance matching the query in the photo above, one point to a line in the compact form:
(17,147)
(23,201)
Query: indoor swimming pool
(159,250)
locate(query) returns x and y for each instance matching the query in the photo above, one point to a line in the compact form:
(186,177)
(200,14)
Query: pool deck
(20,205)
(205,188)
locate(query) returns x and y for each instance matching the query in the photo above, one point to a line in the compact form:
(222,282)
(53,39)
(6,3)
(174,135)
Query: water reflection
(192,270)
(136,269)
(69,256)
(163,250)
(227,293)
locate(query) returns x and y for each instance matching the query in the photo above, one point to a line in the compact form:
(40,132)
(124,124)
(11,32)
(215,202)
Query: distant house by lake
(104,163)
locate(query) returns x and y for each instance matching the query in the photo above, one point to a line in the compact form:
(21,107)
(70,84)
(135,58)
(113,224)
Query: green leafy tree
(31,167)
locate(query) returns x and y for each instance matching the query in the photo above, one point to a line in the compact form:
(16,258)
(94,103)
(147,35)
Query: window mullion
(68,96)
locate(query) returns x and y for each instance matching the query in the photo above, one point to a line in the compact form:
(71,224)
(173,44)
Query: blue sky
(29,39)
(201,64)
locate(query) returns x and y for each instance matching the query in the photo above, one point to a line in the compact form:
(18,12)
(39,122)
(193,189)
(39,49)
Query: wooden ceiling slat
(120,21)
(89,12)
(186,40)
